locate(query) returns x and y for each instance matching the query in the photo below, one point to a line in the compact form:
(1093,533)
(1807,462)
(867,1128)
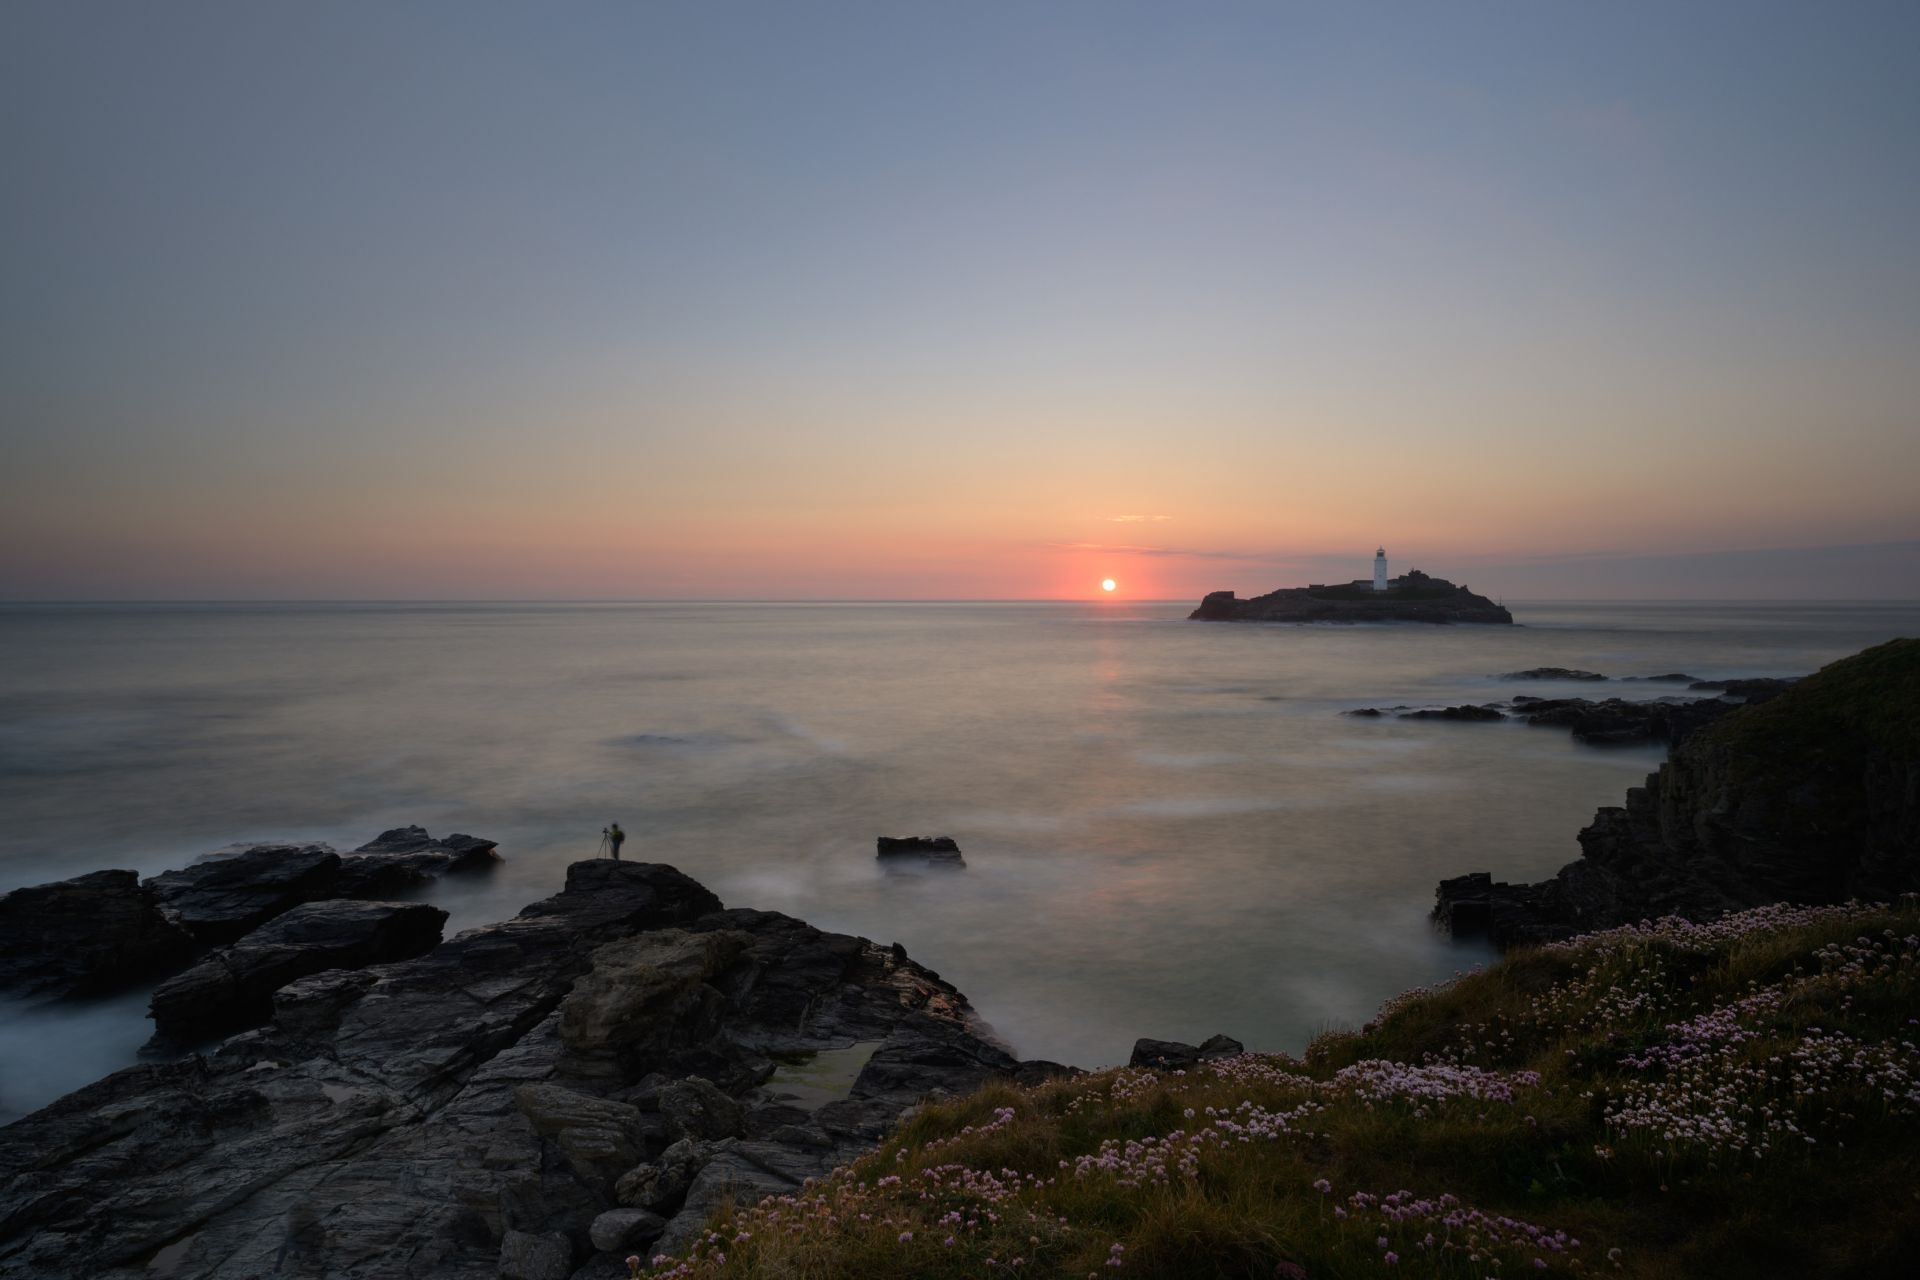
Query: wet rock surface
(219,900)
(1808,793)
(233,987)
(601,1068)
(86,936)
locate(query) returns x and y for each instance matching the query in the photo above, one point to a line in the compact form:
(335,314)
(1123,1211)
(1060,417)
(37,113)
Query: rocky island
(1412,597)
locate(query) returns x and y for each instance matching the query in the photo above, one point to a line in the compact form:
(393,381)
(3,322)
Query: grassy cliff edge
(1669,1099)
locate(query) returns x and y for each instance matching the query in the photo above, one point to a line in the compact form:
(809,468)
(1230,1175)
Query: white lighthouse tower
(1380,569)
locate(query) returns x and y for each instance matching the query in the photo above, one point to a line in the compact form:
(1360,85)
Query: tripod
(606,844)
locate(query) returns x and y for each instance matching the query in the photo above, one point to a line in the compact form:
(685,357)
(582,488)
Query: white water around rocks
(1169,830)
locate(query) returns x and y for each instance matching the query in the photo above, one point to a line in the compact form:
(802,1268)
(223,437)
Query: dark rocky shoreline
(534,1098)
(1807,793)
(537,1098)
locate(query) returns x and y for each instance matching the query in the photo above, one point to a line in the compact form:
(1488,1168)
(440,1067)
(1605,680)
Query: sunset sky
(988,300)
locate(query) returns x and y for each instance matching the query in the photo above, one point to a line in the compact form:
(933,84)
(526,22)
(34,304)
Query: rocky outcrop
(1414,597)
(1619,722)
(219,900)
(1173,1055)
(1553,673)
(233,987)
(1469,713)
(934,850)
(606,1067)
(86,936)
(1810,796)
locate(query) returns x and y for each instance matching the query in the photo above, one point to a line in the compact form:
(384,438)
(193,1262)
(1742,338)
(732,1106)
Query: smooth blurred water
(1169,830)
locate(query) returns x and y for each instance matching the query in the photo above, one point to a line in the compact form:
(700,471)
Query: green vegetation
(1833,718)
(1665,1100)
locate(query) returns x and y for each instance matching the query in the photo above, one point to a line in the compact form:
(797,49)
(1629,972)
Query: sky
(722,300)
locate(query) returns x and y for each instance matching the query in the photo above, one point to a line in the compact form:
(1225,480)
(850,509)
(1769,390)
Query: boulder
(525,1256)
(1174,1055)
(220,900)
(663,1181)
(233,987)
(618,1229)
(694,1108)
(86,936)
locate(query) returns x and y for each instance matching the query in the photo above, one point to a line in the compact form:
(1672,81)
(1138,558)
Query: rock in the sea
(1413,597)
(219,900)
(1172,1054)
(1671,677)
(1757,689)
(1454,713)
(1553,673)
(407,857)
(478,1111)
(1619,722)
(86,936)
(233,987)
(1810,796)
(936,850)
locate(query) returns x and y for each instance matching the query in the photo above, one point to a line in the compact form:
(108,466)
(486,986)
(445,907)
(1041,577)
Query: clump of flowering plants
(1671,1099)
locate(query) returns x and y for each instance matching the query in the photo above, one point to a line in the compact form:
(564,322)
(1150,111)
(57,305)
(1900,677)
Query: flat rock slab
(86,936)
(233,987)
(221,900)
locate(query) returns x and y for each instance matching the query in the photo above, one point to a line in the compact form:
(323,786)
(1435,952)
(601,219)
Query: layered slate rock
(1812,796)
(1413,597)
(605,1067)
(86,936)
(233,987)
(219,900)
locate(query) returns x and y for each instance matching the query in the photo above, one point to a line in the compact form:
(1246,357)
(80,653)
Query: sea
(1170,829)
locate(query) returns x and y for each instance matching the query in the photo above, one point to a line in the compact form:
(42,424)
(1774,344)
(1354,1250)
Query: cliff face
(1415,597)
(1813,797)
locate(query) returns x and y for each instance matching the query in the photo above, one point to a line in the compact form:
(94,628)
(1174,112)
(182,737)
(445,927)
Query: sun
(1108,584)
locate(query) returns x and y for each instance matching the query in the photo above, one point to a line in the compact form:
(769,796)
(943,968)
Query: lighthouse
(1380,569)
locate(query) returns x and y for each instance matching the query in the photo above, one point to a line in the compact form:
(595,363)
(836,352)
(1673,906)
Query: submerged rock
(233,987)
(1454,713)
(86,936)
